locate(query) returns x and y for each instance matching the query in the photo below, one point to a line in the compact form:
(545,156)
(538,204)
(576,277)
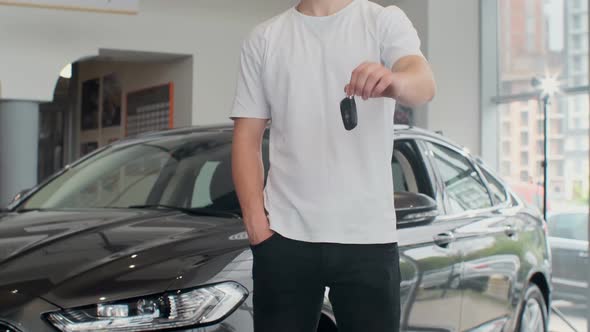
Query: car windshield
(184,171)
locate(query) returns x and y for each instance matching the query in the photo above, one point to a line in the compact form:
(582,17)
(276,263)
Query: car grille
(6,328)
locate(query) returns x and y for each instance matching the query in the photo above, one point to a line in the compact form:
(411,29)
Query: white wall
(449,31)
(453,47)
(417,11)
(36,43)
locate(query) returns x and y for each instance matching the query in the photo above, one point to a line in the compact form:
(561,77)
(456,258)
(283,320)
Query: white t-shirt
(325,184)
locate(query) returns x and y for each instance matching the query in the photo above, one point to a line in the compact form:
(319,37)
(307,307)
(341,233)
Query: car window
(201,192)
(399,179)
(573,226)
(188,171)
(203,180)
(463,186)
(409,173)
(403,175)
(499,194)
(125,178)
(213,186)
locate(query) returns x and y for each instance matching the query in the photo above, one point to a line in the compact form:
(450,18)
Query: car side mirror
(412,209)
(19,195)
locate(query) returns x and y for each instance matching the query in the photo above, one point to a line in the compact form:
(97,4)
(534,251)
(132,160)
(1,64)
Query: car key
(348,111)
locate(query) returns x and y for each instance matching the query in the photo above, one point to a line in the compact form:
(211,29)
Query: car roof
(401,131)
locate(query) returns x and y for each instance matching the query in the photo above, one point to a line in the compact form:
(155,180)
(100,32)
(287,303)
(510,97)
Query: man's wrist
(397,87)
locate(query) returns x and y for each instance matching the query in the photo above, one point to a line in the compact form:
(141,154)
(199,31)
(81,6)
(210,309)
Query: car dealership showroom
(465,206)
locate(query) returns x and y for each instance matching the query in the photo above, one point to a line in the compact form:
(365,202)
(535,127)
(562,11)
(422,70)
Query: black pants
(290,279)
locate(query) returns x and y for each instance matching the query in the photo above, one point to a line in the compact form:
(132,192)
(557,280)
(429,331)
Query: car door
(430,266)
(569,247)
(485,237)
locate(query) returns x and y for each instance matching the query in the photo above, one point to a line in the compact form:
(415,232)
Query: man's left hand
(373,80)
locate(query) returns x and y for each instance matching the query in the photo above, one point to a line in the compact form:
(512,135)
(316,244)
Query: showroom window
(535,39)
(523,40)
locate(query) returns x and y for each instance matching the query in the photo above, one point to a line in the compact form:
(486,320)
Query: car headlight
(183,308)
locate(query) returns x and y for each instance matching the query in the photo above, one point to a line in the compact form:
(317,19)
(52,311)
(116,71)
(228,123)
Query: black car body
(91,236)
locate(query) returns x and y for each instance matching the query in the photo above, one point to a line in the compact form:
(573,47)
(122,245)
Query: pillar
(19,142)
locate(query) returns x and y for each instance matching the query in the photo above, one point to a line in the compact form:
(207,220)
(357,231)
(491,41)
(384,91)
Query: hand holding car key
(368,80)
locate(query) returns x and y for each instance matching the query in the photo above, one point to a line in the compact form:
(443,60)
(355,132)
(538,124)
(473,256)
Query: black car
(145,235)
(568,240)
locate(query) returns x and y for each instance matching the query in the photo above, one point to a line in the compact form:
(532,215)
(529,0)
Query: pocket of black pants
(265,242)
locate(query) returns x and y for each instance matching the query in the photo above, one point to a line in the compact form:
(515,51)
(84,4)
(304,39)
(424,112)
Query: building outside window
(543,36)
(524,118)
(506,147)
(577,63)
(506,167)
(524,139)
(539,169)
(540,127)
(540,147)
(577,21)
(577,42)
(524,158)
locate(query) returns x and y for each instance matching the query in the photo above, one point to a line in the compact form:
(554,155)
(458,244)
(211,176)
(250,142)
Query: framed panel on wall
(150,109)
(111,101)
(90,104)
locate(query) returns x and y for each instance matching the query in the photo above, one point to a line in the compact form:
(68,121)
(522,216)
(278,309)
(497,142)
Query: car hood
(74,258)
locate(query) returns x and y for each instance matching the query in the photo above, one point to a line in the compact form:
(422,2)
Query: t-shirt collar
(336,14)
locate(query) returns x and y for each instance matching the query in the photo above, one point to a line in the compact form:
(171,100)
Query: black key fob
(348,111)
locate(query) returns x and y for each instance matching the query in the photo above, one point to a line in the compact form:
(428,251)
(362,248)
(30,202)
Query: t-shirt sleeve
(250,100)
(398,36)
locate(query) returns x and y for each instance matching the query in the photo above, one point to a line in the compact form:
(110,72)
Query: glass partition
(539,39)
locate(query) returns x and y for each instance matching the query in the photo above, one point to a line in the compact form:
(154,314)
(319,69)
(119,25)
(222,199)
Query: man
(326,217)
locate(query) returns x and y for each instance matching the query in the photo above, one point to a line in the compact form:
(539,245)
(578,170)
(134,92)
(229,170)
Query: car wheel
(533,315)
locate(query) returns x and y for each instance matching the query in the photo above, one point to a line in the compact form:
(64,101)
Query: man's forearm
(248,176)
(410,81)
(417,85)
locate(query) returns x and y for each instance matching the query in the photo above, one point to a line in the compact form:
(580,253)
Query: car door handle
(509,230)
(583,254)
(444,239)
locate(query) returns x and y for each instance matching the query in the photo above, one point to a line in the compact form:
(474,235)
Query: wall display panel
(90,104)
(150,109)
(111,101)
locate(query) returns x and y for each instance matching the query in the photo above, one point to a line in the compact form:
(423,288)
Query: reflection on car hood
(68,257)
